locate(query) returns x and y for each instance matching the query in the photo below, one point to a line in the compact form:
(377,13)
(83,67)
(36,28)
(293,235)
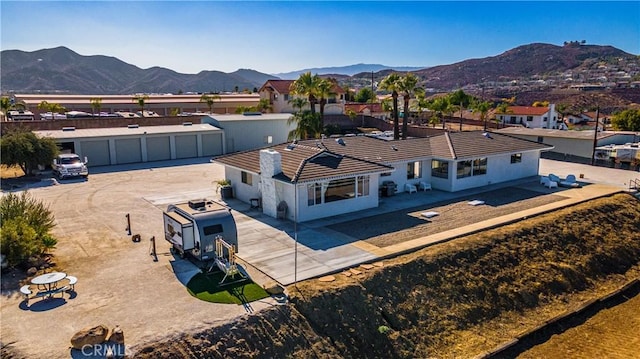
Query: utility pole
(595,138)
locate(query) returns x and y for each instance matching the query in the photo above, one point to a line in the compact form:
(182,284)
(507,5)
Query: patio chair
(26,291)
(570,182)
(554,178)
(424,186)
(72,282)
(408,187)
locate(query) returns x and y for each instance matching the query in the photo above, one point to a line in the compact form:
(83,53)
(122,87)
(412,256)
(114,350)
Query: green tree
(5,106)
(308,125)
(324,91)
(96,105)
(141,100)
(365,95)
(23,148)
(483,109)
(26,226)
(298,103)
(502,109)
(391,84)
(307,85)
(209,100)
(243,109)
(541,104)
(627,120)
(264,105)
(51,107)
(408,86)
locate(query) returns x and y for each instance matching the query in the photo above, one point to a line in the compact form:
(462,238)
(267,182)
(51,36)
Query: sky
(283,36)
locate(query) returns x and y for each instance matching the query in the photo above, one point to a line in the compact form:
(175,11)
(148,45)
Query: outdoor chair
(26,291)
(570,182)
(424,186)
(408,187)
(72,282)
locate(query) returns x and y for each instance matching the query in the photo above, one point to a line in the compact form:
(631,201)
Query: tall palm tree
(307,85)
(391,83)
(308,125)
(96,105)
(5,106)
(324,91)
(209,100)
(408,86)
(141,100)
(502,108)
(483,109)
(298,103)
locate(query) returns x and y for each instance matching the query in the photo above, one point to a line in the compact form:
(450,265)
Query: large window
(413,170)
(246,178)
(439,169)
(529,118)
(337,190)
(516,158)
(480,166)
(464,169)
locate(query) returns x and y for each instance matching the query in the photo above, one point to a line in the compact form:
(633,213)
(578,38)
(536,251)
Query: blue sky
(272,37)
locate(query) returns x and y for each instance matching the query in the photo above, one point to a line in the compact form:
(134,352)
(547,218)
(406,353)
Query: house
(279,95)
(327,177)
(531,117)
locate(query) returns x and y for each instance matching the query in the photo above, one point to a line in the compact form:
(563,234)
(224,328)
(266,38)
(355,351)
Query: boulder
(32,271)
(89,336)
(117,336)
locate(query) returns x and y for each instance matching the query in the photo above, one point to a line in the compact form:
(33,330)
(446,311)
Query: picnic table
(47,283)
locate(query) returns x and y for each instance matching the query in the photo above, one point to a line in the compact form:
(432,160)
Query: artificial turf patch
(205,286)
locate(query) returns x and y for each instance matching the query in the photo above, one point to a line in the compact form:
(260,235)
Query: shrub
(18,241)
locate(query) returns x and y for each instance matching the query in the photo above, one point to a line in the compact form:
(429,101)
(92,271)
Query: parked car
(70,165)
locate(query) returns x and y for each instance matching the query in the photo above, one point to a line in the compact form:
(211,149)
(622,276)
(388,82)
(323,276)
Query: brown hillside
(456,299)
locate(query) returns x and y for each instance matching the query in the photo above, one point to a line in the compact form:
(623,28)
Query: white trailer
(192,227)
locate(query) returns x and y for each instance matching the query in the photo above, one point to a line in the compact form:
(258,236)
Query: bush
(26,223)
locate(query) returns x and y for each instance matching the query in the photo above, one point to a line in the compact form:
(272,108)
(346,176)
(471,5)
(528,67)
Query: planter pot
(226,192)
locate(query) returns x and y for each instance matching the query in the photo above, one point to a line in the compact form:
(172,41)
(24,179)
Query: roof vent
(487,135)
(68,129)
(197,204)
(133,126)
(187,123)
(394,147)
(340,141)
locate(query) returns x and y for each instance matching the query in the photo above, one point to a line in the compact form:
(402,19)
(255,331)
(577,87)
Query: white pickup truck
(70,165)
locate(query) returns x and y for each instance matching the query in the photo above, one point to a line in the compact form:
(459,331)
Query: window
(413,170)
(247,178)
(529,118)
(363,186)
(209,230)
(540,139)
(480,166)
(544,119)
(512,119)
(336,190)
(286,97)
(314,194)
(464,169)
(516,158)
(268,139)
(439,169)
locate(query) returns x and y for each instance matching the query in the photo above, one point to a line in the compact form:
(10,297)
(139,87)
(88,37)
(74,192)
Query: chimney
(270,165)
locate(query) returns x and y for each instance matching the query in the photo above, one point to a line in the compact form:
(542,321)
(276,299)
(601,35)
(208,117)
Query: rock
(273,288)
(89,336)
(117,336)
(32,271)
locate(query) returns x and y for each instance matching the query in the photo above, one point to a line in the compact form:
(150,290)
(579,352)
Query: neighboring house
(531,117)
(588,119)
(321,178)
(570,143)
(279,95)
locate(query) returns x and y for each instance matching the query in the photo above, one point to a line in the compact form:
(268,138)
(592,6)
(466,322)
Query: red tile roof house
(531,117)
(278,94)
(322,178)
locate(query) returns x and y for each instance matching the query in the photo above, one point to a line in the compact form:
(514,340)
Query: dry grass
(10,172)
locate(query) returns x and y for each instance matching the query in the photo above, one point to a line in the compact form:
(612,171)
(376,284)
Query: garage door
(128,150)
(97,152)
(212,145)
(158,148)
(186,146)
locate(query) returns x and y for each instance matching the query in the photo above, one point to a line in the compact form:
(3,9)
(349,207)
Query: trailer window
(209,230)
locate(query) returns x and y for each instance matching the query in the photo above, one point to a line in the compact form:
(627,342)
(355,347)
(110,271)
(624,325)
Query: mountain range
(61,70)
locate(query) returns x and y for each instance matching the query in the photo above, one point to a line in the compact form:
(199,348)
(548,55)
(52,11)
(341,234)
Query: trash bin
(226,192)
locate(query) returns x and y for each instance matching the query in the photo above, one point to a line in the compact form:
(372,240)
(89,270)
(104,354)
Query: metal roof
(126,131)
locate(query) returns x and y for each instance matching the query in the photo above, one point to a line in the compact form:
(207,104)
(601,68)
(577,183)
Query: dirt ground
(400,226)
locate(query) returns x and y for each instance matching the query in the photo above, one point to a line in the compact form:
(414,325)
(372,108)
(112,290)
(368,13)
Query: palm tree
(298,103)
(391,83)
(408,85)
(307,85)
(264,105)
(5,105)
(96,105)
(51,107)
(483,109)
(324,91)
(209,100)
(141,99)
(308,125)
(502,108)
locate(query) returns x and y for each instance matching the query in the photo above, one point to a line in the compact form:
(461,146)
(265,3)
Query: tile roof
(527,110)
(318,159)
(280,86)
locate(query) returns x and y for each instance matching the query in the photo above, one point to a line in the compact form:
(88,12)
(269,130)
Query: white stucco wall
(248,132)
(499,169)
